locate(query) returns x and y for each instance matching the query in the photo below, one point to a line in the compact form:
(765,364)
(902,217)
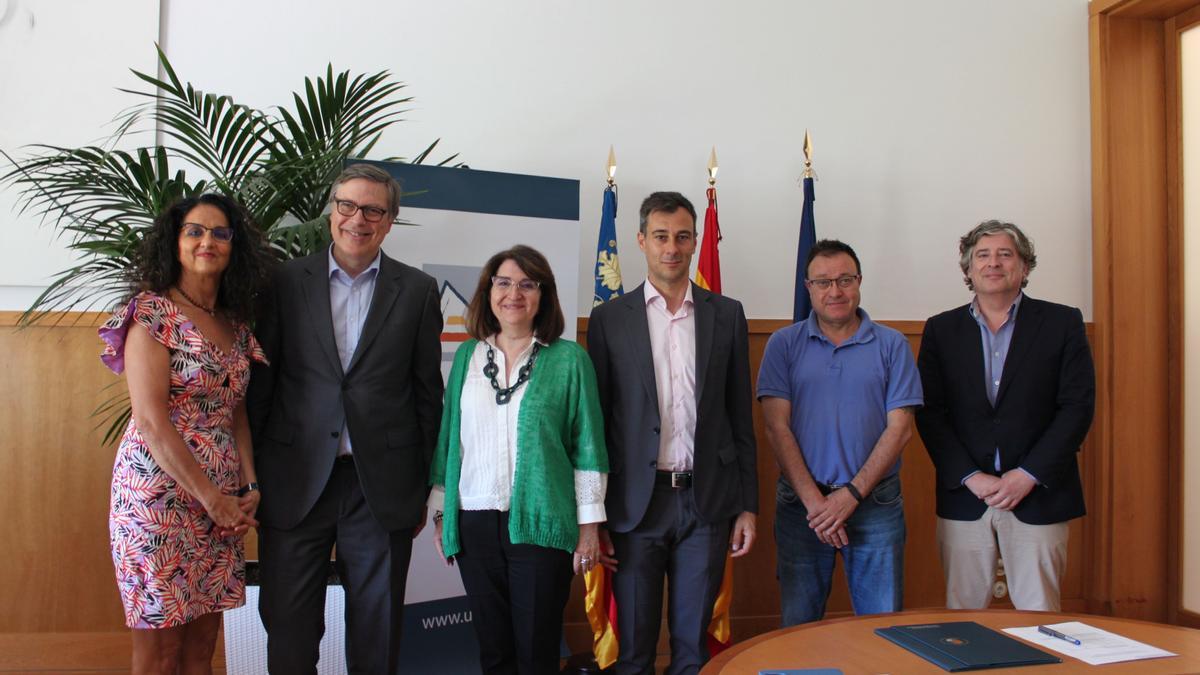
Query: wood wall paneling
(59,575)
(56,496)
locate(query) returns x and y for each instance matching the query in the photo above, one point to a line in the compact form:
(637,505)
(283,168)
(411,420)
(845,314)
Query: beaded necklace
(491,370)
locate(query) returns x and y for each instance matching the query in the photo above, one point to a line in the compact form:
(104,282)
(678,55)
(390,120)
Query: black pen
(1046,630)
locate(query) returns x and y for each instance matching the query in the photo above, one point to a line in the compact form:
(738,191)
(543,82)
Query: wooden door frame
(1137,295)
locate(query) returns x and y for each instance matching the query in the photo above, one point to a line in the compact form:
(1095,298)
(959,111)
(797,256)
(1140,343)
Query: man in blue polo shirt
(838,393)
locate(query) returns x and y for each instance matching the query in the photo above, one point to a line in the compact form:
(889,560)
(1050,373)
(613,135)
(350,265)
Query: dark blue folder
(965,645)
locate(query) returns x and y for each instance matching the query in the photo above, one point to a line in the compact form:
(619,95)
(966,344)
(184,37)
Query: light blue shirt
(995,353)
(840,394)
(349,302)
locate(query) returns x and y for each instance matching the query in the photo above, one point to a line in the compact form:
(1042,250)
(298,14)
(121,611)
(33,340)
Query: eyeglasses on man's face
(196,231)
(505,284)
(843,282)
(371,214)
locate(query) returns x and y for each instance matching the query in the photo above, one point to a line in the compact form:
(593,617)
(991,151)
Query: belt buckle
(678,479)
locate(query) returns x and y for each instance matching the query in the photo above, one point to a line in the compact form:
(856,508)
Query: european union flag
(608,269)
(808,237)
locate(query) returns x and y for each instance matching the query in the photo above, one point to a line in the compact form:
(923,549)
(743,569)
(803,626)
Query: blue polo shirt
(840,394)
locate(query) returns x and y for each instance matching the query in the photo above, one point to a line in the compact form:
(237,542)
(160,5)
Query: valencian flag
(599,603)
(608,269)
(708,269)
(808,238)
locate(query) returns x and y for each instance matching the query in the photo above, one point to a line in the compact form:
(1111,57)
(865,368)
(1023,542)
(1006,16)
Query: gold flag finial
(612,165)
(808,172)
(712,167)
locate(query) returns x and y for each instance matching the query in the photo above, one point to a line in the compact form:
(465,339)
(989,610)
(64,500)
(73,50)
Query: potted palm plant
(278,162)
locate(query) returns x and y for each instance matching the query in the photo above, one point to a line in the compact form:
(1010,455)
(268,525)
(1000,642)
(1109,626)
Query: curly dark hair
(156,267)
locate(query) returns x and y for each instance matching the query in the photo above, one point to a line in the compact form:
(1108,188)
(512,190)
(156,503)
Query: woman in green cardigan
(520,468)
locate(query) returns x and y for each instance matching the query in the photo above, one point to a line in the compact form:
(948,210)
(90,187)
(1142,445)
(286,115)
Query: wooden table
(851,645)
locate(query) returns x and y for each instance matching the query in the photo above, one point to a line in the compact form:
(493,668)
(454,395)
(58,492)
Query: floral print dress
(171,566)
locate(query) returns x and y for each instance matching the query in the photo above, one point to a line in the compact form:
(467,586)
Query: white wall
(60,64)
(927,116)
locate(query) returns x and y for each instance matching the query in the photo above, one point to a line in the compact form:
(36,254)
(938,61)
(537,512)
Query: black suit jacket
(1043,409)
(725,478)
(389,397)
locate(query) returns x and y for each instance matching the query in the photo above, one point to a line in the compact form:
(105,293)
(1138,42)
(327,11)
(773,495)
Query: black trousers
(372,564)
(517,594)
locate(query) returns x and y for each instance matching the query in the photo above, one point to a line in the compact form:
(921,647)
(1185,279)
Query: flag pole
(708,267)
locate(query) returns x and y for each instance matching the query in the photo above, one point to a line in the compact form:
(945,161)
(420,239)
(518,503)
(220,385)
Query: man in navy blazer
(1009,395)
(673,368)
(345,419)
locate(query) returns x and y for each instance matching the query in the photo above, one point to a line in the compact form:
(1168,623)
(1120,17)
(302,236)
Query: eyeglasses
(525,285)
(196,231)
(842,282)
(371,214)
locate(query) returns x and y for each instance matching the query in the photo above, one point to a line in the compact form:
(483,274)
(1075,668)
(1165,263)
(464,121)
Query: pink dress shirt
(673,350)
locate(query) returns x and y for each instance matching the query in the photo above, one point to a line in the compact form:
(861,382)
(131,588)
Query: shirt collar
(491,341)
(977,313)
(865,332)
(335,268)
(651,293)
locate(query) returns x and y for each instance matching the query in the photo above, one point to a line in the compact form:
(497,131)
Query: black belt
(676,480)
(826,488)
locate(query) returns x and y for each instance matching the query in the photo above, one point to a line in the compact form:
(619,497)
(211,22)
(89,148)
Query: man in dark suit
(345,420)
(673,369)
(1009,396)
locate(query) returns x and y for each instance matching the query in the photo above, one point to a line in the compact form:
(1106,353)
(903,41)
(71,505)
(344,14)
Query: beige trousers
(1035,558)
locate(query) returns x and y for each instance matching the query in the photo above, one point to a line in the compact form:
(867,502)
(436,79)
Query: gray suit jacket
(390,396)
(725,478)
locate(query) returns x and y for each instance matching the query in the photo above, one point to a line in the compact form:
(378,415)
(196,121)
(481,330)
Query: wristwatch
(246,489)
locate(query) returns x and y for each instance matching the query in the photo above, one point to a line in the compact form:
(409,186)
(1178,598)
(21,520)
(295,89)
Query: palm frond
(101,198)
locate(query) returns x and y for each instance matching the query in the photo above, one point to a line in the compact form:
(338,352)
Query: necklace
(211,311)
(490,370)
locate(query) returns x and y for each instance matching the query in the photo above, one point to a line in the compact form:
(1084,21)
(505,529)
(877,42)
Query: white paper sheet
(1099,646)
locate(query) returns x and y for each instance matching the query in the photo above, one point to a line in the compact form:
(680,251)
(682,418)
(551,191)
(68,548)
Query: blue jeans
(874,558)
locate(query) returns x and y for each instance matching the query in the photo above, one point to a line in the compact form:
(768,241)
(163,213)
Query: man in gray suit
(344,419)
(673,367)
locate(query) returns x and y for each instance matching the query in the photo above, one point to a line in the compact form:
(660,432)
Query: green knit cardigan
(560,429)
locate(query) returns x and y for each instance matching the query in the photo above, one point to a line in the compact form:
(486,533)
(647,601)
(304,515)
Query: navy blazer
(389,396)
(1043,409)
(725,477)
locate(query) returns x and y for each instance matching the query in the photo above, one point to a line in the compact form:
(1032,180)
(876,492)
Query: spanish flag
(708,276)
(708,269)
(601,609)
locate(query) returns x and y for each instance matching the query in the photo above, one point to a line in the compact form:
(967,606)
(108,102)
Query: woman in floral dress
(183,487)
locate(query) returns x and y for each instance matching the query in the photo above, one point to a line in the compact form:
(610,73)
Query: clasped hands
(1004,492)
(827,516)
(233,516)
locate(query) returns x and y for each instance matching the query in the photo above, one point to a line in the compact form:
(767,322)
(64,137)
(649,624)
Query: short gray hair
(966,247)
(375,175)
